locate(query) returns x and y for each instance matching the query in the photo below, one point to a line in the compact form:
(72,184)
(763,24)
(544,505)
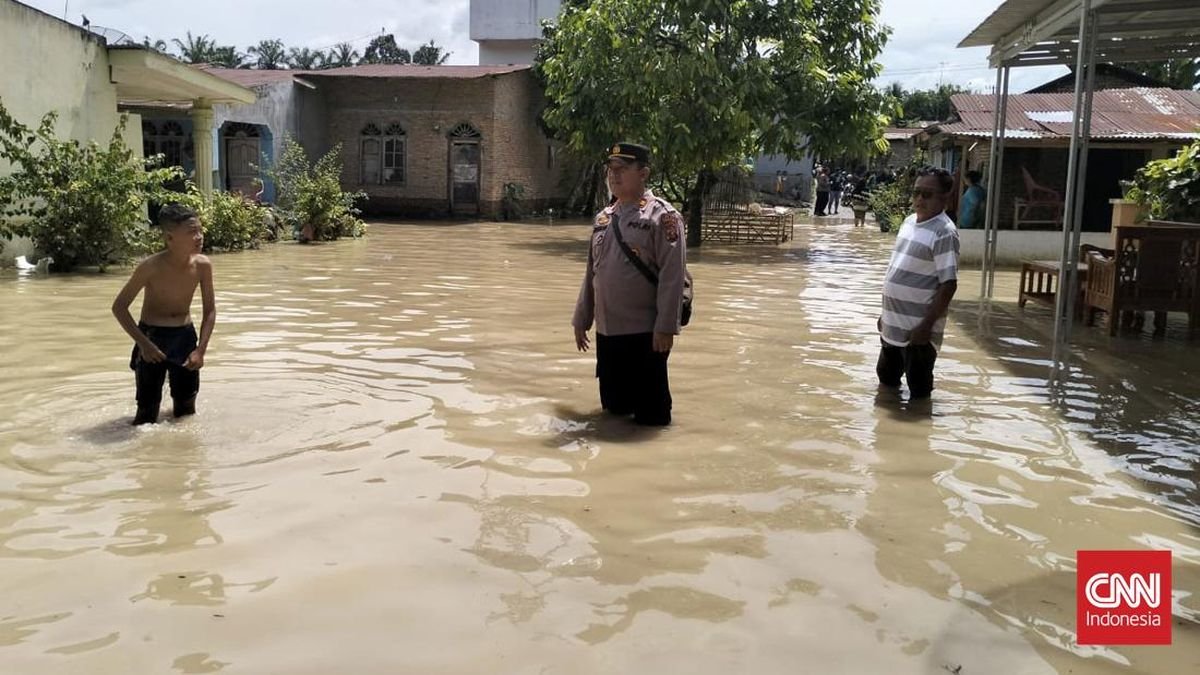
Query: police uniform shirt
(615,295)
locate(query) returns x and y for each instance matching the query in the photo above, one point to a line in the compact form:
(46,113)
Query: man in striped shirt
(918,286)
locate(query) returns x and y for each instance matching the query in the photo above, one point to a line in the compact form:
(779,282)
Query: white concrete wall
(51,65)
(800,172)
(510,19)
(1013,247)
(507,52)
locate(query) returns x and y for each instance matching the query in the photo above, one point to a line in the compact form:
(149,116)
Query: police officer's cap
(630,152)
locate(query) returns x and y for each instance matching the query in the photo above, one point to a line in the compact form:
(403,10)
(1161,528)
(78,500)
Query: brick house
(440,140)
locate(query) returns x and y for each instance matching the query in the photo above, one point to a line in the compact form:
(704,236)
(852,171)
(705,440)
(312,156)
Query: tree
(430,55)
(81,204)
(706,84)
(383,49)
(196,50)
(343,55)
(269,54)
(304,58)
(228,57)
(930,104)
(159,46)
(1177,74)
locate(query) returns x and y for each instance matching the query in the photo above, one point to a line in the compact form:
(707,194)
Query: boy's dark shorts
(177,342)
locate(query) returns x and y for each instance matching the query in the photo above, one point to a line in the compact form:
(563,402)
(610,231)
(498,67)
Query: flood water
(399,466)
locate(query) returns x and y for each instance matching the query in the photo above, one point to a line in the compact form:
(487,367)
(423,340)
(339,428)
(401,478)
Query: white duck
(42,266)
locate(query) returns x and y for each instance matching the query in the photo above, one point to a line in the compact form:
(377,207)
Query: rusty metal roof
(1140,113)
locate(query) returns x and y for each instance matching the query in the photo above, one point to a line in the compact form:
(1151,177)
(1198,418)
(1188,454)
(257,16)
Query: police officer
(636,308)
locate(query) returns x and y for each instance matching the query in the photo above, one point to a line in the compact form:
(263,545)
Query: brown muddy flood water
(399,466)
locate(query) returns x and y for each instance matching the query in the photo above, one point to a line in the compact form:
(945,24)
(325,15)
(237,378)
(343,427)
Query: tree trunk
(695,207)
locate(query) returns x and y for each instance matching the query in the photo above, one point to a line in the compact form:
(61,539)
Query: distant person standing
(822,192)
(972,208)
(917,288)
(859,199)
(836,184)
(636,319)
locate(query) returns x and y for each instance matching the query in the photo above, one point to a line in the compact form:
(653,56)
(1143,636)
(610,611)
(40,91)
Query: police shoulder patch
(671,224)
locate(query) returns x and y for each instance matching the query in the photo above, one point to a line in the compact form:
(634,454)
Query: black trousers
(177,342)
(914,362)
(633,378)
(822,203)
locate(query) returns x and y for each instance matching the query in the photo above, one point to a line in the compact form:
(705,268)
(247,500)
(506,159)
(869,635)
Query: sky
(921,53)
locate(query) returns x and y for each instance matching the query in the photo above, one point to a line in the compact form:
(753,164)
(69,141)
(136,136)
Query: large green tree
(707,83)
(925,104)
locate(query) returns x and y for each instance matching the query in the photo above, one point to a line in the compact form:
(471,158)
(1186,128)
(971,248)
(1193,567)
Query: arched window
(394,151)
(370,152)
(464,131)
(383,155)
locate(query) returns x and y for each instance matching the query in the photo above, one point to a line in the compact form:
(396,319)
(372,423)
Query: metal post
(995,169)
(1076,181)
(995,239)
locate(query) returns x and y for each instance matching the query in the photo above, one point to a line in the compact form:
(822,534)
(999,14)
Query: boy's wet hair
(174,214)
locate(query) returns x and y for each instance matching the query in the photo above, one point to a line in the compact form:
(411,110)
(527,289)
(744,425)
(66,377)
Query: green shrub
(1169,189)
(892,203)
(80,204)
(312,195)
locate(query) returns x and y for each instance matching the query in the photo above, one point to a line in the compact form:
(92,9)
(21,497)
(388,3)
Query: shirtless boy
(165,339)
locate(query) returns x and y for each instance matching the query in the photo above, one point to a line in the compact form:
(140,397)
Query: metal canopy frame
(1080,33)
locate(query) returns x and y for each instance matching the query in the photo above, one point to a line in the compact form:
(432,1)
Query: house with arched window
(439,140)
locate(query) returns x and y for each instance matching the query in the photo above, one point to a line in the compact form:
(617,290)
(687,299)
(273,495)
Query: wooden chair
(1153,268)
(1037,197)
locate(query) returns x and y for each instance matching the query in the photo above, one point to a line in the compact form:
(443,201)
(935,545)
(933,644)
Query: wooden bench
(1153,268)
(1040,281)
(738,226)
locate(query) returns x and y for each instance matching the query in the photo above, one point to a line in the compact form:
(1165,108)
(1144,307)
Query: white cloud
(923,50)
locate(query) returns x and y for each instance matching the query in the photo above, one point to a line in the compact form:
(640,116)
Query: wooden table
(1039,282)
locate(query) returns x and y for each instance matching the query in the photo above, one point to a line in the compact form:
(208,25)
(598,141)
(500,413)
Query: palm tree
(343,55)
(304,58)
(196,50)
(430,55)
(228,57)
(159,46)
(270,54)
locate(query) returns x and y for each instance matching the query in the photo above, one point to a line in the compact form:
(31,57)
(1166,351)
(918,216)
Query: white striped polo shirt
(926,255)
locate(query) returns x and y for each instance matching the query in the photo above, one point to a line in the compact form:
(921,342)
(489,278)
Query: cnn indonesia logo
(1123,598)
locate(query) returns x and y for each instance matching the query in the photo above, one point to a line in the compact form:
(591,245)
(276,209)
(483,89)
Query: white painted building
(508,31)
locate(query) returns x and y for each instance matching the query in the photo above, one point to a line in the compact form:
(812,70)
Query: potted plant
(1169,189)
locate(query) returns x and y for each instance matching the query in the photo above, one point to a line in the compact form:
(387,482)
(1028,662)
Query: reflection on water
(398,449)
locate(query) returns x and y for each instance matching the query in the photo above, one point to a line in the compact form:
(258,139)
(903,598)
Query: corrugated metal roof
(1005,19)
(1024,31)
(1116,113)
(897,134)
